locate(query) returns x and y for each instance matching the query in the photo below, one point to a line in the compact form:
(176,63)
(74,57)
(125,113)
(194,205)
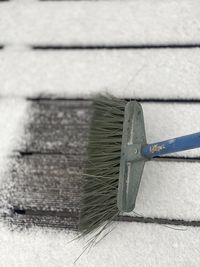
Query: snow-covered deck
(54,56)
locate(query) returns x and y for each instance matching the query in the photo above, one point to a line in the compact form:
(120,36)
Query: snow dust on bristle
(100,179)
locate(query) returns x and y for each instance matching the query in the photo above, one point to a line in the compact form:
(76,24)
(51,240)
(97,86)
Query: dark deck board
(50,182)
(58,127)
(46,186)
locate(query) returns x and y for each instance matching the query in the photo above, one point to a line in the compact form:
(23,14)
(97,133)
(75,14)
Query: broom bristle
(100,179)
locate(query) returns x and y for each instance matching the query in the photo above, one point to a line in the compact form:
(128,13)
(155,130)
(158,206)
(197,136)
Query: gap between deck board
(161,158)
(142,100)
(114,46)
(121,218)
(164,221)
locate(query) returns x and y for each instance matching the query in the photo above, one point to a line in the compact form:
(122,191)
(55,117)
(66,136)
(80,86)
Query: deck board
(58,127)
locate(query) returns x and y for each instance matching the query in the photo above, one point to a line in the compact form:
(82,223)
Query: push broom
(117,152)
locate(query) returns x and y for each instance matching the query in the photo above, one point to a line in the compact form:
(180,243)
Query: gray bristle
(100,179)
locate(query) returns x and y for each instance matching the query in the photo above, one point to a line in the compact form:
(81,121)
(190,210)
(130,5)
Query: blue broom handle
(181,143)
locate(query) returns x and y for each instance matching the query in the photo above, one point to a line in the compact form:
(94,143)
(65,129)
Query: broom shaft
(181,143)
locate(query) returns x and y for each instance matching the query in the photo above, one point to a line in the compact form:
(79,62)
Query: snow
(99,22)
(172,73)
(130,244)
(169,190)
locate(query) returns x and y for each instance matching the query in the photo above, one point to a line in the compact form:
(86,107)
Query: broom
(116,155)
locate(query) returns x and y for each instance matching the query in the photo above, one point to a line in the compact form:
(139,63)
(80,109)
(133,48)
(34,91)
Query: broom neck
(177,144)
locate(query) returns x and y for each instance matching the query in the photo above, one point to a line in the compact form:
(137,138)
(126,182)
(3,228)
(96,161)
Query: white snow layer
(159,73)
(130,244)
(100,22)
